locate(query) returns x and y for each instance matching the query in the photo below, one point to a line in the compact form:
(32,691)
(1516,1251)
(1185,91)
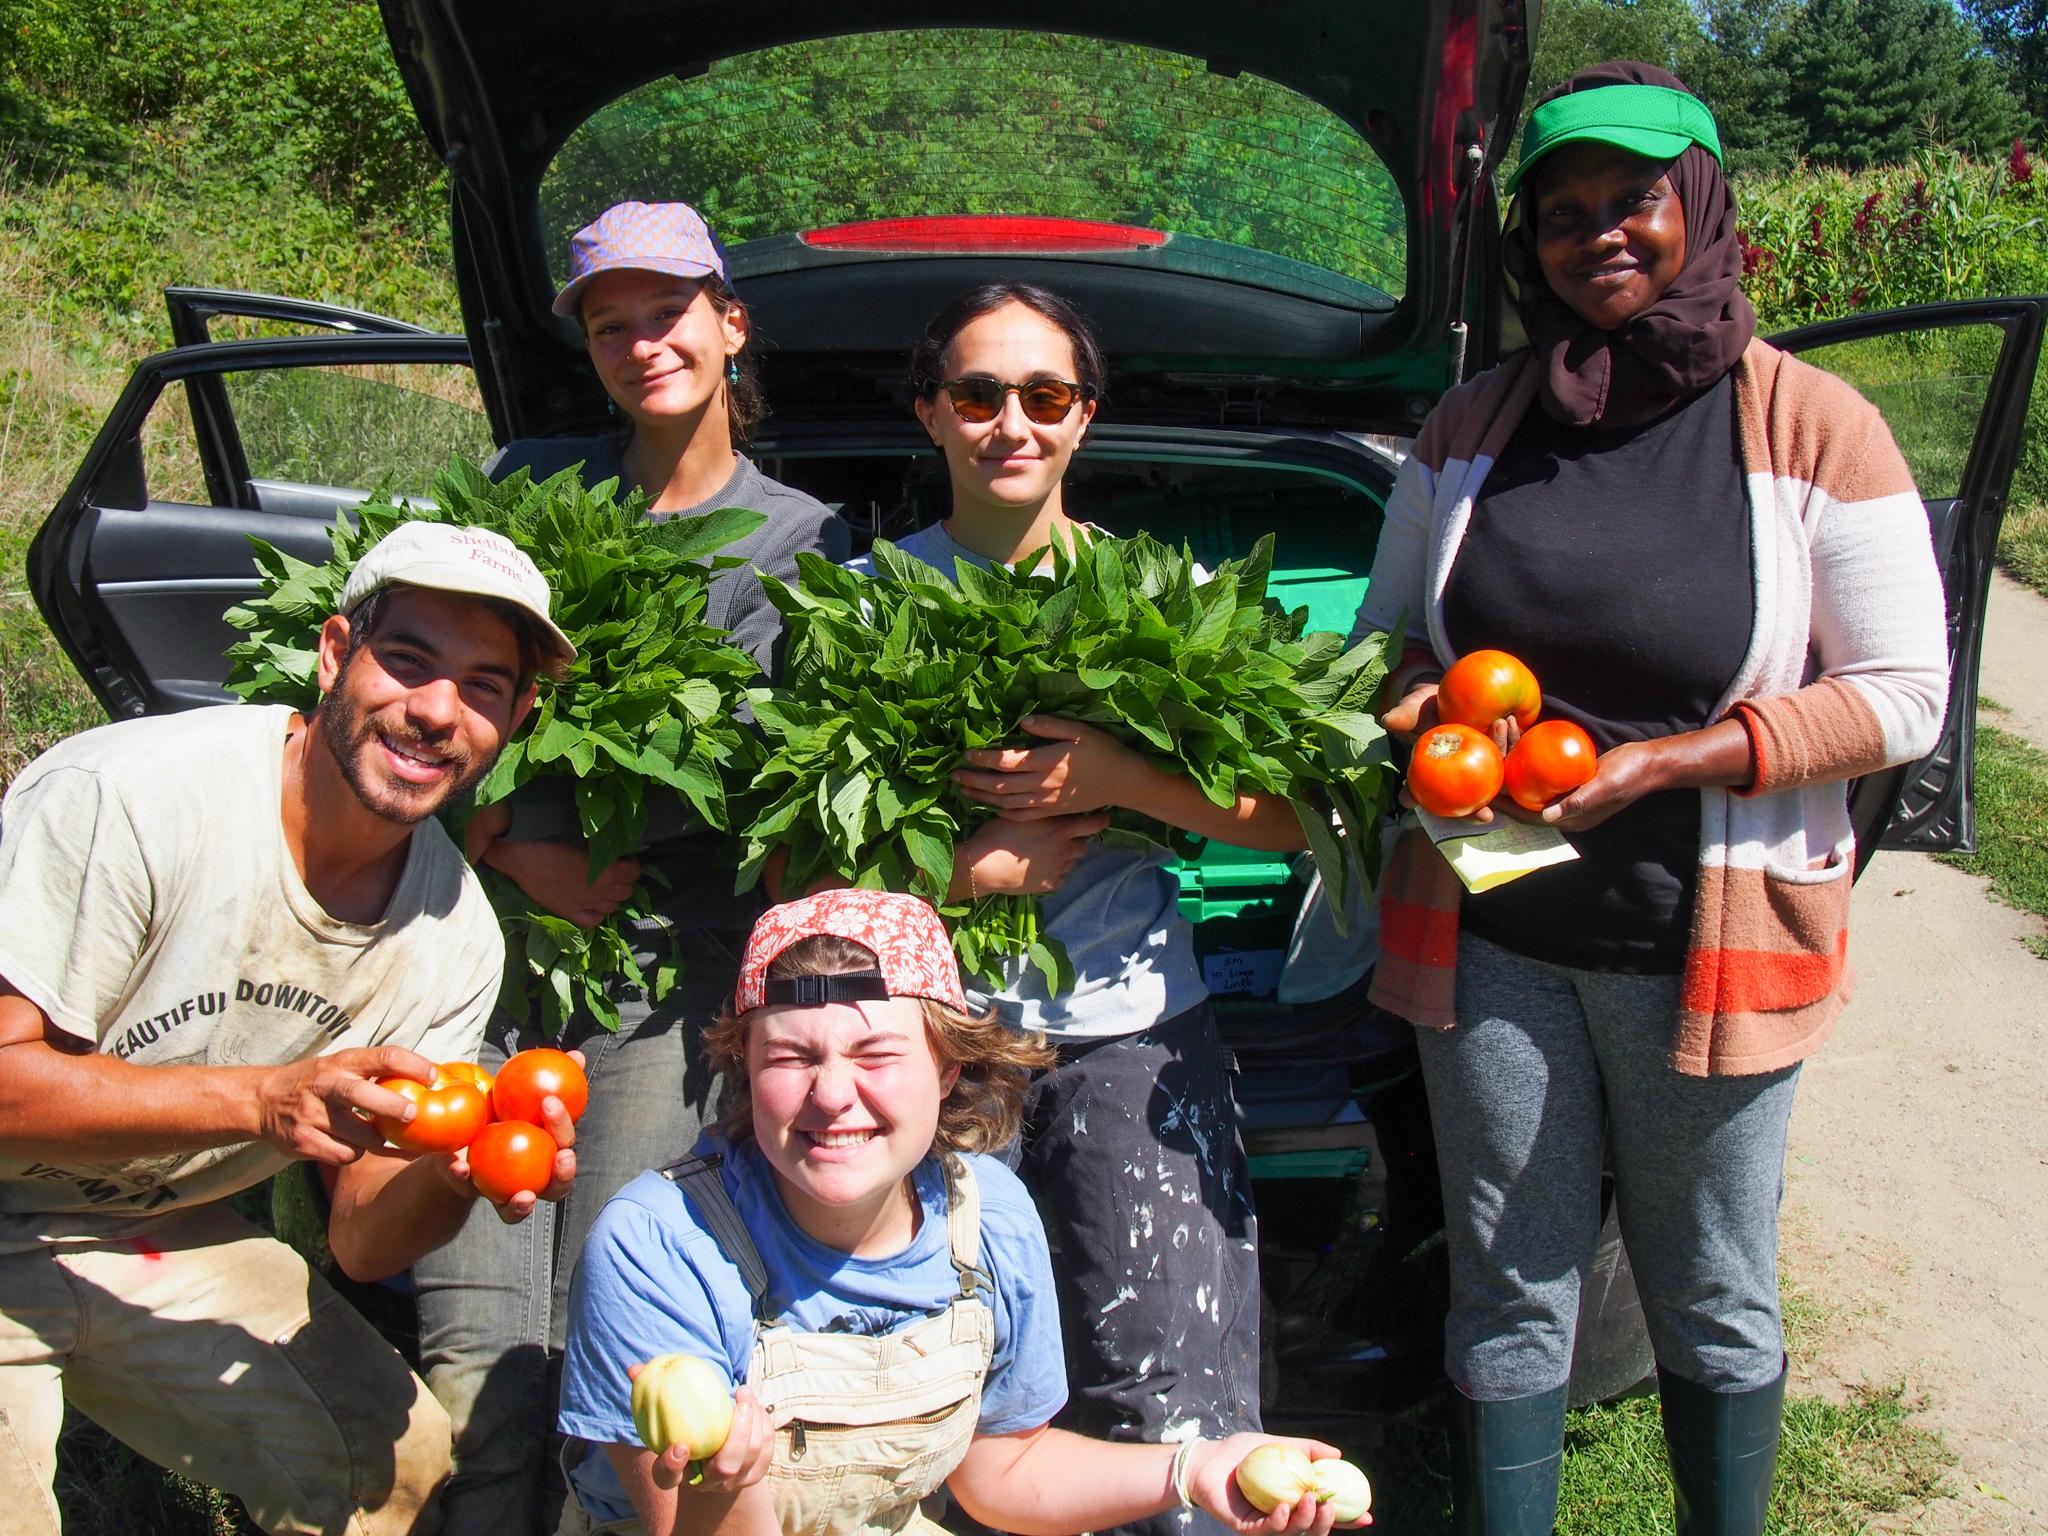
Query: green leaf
(932,853)
(696,538)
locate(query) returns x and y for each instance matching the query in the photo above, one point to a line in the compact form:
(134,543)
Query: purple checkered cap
(642,237)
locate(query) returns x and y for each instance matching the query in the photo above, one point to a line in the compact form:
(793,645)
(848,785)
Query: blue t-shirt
(653,1281)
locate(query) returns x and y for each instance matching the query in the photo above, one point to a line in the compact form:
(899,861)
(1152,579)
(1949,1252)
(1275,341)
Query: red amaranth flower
(1755,258)
(2018,168)
(1865,216)
(1857,295)
(1915,206)
(1815,238)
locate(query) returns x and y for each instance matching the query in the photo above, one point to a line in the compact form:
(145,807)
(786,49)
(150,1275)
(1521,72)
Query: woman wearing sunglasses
(1130,1146)
(670,341)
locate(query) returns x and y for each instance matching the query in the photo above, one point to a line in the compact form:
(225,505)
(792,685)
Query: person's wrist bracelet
(971,895)
(1183,1464)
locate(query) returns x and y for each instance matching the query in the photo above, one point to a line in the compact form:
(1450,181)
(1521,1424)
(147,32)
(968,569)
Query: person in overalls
(882,1291)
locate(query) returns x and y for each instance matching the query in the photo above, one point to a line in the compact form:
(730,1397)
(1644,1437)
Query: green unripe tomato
(1344,1488)
(1274,1474)
(681,1400)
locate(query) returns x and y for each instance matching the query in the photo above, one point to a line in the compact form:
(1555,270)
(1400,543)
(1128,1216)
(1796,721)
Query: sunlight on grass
(2012,824)
(1838,1465)
(2023,545)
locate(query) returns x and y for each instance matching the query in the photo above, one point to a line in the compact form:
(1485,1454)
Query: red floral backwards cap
(910,945)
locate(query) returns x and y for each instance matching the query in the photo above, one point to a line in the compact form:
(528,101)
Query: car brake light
(1008,233)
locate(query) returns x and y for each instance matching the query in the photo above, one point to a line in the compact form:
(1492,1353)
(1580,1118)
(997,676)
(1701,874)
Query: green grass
(2023,545)
(2012,824)
(41,699)
(1840,1466)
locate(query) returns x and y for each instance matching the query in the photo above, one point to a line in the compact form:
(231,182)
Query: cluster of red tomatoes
(1456,768)
(497,1119)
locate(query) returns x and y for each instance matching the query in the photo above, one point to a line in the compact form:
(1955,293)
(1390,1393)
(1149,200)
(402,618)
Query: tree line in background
(304,91)
(1846,83)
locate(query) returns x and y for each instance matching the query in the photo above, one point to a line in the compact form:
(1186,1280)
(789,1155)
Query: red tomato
(531,1076)
(1485,686)
(510,1155)
(452,1109)
(468,1072)
(1551,760)
(1455,770)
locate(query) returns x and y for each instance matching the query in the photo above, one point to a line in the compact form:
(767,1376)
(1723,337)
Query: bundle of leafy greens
(647,706)
(890,679)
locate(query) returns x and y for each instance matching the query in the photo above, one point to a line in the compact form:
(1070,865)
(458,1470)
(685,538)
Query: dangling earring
(732,369)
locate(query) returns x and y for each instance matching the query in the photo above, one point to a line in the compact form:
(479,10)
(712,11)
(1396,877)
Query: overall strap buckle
(963,1228)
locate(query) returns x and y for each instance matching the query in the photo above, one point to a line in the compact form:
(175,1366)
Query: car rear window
(976,122)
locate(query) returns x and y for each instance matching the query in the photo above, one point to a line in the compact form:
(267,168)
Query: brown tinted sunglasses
(979,398)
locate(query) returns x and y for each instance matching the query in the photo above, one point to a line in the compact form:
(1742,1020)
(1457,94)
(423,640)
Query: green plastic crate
(1330,1163)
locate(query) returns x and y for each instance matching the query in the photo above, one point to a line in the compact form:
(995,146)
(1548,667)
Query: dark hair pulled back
(928,356)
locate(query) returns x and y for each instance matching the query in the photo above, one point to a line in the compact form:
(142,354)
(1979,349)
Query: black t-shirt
(1615,562)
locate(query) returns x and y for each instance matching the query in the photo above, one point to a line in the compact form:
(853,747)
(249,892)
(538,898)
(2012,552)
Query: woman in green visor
(1713,558)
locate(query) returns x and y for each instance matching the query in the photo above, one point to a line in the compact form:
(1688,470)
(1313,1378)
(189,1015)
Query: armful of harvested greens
(893,679)
(646,709)
(1071,767)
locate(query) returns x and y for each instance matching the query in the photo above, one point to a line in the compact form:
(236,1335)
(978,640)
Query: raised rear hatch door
(1281,202)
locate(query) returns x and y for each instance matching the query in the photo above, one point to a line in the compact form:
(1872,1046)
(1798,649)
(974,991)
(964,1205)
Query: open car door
(1952,381)
(215,442)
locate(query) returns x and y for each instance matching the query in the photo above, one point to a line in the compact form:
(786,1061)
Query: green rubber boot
(1724,1453)
(1505,1459)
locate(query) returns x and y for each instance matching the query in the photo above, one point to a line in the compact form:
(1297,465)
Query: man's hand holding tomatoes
(318,1106)
(555,1120)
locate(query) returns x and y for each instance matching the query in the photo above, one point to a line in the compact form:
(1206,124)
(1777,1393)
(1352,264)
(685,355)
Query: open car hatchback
(1283,219)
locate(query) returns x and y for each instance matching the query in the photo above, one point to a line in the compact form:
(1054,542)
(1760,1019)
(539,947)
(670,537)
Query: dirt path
(1917,1186)
(2015,669)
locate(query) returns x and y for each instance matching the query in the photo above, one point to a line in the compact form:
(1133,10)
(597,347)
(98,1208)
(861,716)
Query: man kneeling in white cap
(218,931)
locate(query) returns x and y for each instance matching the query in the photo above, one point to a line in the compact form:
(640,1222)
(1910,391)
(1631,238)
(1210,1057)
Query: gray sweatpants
(1545,1063)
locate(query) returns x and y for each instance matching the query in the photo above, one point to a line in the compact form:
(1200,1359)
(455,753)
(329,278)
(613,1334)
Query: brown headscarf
(1684,342)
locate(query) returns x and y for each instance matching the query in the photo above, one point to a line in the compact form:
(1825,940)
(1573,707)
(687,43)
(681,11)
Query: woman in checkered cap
(672,345)
(876,1286)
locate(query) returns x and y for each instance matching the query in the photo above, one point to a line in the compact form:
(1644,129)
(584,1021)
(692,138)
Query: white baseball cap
(449,558)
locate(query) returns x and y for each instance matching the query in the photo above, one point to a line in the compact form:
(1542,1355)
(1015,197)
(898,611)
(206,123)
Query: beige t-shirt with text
(149,907)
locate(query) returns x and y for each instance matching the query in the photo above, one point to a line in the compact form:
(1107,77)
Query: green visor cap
(1653,121)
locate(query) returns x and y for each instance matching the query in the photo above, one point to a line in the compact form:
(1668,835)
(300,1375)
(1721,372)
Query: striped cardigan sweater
(1847,672)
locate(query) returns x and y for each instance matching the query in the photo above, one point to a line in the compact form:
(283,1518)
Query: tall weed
(1820,243)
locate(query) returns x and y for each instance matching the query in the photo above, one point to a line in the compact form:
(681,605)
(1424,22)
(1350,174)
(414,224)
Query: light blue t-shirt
(1117,913)
(653,1281)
